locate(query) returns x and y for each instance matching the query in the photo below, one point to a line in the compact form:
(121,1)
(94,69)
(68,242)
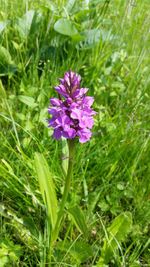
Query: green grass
(111,173)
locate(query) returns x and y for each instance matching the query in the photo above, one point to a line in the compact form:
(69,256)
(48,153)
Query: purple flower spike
(72,115)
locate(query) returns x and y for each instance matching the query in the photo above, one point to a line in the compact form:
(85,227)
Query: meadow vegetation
(107,221)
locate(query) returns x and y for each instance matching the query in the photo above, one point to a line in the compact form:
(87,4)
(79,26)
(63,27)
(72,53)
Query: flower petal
(88,100)
(57,133)
(61,90)
(80,92)
(76,114)
(84,135)
(70,133)
(55,102)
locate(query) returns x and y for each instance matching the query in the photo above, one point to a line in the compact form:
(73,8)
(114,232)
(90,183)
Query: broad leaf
(117,232)
(47,187)
(6,64)
(65,27)
(5,57)
(24,24)
(79,250)
(70,4)
(28,100)
(93,36)
(79,220)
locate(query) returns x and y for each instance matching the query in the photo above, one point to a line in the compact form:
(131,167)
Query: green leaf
(3,259)
(90,38)
(116,233)
(47,187)
(9,253)
(65,27)
(6,64)
(5,57)
(79,220)
(79,250)
(93,36)
(28,100)
(135,264)
(2,91)
(70,4)
(24,24)
(3,25)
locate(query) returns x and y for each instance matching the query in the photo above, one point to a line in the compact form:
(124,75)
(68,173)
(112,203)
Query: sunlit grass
(111,173)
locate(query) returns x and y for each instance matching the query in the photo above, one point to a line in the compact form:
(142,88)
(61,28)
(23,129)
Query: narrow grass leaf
(3,94)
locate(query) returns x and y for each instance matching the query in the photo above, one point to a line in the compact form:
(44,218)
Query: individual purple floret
(72,115)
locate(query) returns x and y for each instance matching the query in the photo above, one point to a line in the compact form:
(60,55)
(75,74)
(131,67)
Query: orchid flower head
(72,115)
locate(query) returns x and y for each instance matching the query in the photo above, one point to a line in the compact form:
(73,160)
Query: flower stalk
(71,146)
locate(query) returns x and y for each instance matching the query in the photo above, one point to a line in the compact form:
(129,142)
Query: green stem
(71,145)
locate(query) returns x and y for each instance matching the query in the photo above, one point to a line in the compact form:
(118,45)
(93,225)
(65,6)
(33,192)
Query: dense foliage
(108,210)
